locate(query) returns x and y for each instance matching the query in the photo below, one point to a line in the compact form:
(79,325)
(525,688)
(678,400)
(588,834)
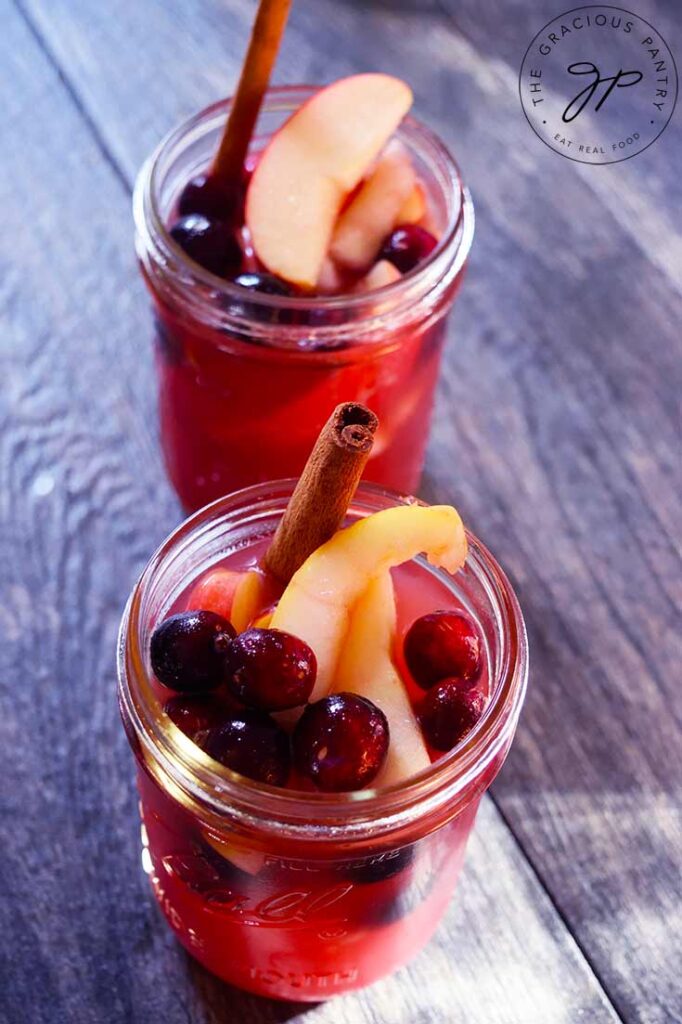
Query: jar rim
(154,240)
(225,794)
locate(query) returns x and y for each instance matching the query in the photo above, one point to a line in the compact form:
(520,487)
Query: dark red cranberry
(210,243)
(341,742)
(188,651)
(443,645)
(408,246)
(168,345)
(270,669)
(205,196)
(267,284)
(195,716)
(252,744)
(381,867)
(263,284)
(449,711)
(203,870)
(401,902)
(194,869)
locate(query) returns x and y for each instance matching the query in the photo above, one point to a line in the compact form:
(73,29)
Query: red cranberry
(215,591)
(195,870)
(263,284)
(408,246)
(396,904)
(443,645)
(449,711)
(168,345)
(270,669)
(210,243)
(382,867)
(252,744)
(205,196)
(341,742)
(188,651)
(267,284)
(195,716)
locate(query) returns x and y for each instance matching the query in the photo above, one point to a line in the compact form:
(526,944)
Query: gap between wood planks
(110,159)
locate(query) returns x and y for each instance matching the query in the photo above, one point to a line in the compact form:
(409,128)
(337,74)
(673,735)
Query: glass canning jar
(246,380)
(303,895)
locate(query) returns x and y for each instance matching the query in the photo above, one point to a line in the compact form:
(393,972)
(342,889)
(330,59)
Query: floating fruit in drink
(367,667)
(326,658)
(318,602)
(324,831)
(318,157)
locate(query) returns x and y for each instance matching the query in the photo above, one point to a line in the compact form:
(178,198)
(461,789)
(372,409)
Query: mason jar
(300,895)
(246,380)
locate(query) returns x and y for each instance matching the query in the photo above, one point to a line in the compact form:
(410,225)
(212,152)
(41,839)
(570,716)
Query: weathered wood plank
(557,425)
(83,500)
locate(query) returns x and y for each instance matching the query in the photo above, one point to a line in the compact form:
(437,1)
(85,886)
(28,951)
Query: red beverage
(247,379)
(299,894)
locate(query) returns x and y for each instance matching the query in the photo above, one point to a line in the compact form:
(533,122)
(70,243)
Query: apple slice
(317,604)
(238,596)
(373,213)
(215,592)
(414,207)
(366,668)
(381,274)
(253,594)
(330,280)
(263,621)
(311,164)
(246,858)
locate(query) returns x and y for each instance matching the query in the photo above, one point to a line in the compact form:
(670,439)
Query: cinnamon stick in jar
(266,36)
(325,489)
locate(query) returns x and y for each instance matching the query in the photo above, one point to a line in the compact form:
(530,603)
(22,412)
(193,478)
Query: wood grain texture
(83,501)
(557,433)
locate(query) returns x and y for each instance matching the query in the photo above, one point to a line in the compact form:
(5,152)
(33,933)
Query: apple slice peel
(317,604)
(366,668)
(311,164)
(374,212)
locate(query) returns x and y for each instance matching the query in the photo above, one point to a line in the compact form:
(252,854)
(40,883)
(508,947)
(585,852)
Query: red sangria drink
(312,744)
(325,273)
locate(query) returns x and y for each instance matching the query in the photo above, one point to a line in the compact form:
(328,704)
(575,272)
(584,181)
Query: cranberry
(194,869)
(210,243)
(188,651)
(252,744)
(215,591)
(270,669)
(449,711)
(382,867)
(196,715)
(443,645)
(341,742)
(403,901)
(168,345)
(205,196)
(203,870)
(407,246)
(265,283)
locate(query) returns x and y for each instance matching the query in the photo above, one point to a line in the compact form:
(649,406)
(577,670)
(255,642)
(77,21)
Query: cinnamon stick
(266,36)
(320,501)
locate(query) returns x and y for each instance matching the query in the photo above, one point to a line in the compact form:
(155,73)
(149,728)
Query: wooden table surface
(557,432)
